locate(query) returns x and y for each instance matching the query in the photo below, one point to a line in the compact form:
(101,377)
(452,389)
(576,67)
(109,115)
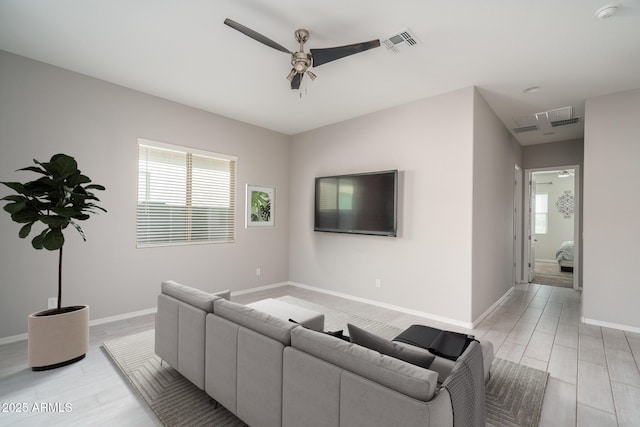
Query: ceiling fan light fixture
(606,11)
(301,61)
(532,89)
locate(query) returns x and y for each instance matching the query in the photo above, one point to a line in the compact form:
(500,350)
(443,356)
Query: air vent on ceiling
(556,115)
(400,41)
(525,129)
(545,120)
(566,122)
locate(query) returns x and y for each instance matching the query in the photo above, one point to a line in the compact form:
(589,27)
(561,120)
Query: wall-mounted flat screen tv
(364,203)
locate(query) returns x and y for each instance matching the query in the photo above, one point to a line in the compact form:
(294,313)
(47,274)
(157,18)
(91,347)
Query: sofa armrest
(195,297)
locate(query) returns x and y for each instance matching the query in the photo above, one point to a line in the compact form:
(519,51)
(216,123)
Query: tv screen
(363,203)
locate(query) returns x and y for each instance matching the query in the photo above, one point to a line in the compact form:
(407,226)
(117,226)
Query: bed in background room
(564,256)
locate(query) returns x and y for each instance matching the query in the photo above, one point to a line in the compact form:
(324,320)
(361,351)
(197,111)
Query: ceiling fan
(302,61)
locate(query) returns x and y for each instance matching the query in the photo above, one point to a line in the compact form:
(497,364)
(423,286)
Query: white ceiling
(181,50)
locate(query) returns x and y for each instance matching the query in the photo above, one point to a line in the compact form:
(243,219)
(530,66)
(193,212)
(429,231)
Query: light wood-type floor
(594,376)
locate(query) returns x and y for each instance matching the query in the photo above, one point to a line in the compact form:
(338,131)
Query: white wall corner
(493,307)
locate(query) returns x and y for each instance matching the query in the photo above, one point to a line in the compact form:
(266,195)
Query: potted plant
(62,196)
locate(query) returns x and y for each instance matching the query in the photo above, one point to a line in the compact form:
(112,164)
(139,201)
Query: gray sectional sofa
(271,372)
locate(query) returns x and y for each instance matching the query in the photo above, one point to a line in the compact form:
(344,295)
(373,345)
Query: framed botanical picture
(261,203)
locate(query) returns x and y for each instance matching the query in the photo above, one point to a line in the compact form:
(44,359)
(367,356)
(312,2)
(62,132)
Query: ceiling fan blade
(295,82)
(256,36)
(322,56)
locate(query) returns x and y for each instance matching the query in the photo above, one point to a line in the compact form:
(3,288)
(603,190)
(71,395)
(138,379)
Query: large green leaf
(25,230)
(61,166)
(95,187)
(24,216)
(54,220)
(14,198)
(13,208)
(77,179)
(40,186)
(38,241)
(34,169)
(53,240)
(15,186)
(67,212)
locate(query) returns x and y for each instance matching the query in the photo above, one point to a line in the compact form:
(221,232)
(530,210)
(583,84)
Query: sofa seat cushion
(195,297)
(395,374)
(256,320)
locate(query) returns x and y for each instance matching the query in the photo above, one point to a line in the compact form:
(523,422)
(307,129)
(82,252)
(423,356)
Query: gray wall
(441,145)
(428,266)
(612,209)
(495,153)
(553,154)
(45,110)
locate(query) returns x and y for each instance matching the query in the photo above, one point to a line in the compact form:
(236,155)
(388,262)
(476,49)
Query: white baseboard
(94,322)
(610,325)
(490,309)
(466,325)
(123,316)
(13,338)
(259,288)
(429,316)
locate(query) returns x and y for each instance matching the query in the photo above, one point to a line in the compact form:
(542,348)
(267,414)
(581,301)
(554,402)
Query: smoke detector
(606,11)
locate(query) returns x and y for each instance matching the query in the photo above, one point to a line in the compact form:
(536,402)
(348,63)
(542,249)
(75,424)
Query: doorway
(552,252)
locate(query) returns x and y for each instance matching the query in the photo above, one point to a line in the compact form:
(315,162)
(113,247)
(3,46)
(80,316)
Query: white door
(517,225)
(532,228)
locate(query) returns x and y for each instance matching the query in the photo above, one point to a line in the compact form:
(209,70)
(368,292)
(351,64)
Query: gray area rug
(514,392)
(548,273)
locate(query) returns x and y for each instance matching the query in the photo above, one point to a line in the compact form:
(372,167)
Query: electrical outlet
(378,283)
(258,271)
(52,302)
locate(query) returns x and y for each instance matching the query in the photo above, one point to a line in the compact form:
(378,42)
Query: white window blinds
(184,196)
(542,213)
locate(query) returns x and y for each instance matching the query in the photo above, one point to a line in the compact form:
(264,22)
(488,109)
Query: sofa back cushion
(244,372)
(255,320)
(195,297)
(415,356)
(395,374)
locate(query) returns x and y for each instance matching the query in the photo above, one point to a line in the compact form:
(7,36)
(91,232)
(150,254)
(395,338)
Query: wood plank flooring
(594,375)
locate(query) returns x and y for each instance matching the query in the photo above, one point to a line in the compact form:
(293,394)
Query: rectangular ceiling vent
(525,129)
(566,122)
(545,120)
(559,114)
(400,41)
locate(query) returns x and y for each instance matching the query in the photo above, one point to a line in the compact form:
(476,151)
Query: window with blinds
(542,213)
(184,196)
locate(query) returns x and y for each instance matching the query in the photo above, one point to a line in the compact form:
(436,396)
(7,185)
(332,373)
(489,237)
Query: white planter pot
(58,339)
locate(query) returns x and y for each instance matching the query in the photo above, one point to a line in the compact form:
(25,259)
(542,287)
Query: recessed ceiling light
(532,89)
(606,11)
